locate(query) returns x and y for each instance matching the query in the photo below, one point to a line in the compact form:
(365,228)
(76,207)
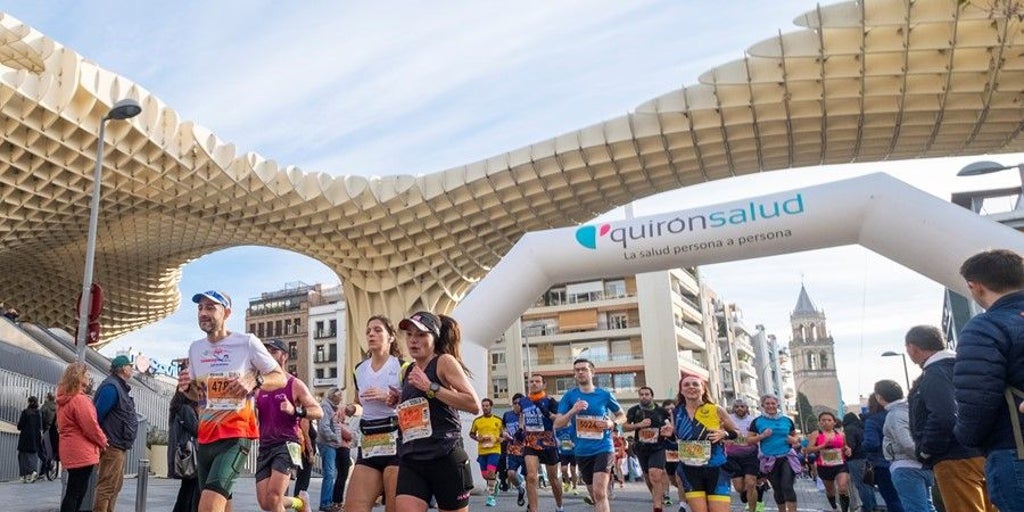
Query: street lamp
(906,375)
(124,109)
(987,167)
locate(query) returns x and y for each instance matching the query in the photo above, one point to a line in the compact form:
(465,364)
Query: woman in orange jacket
(81,439)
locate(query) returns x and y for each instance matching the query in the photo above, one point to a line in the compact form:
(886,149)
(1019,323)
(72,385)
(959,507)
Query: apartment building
(739,378)
(284,314)
(326,343)
(638,330)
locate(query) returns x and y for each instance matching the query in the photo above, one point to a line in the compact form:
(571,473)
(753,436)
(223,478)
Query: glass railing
(693,362)
(595,358)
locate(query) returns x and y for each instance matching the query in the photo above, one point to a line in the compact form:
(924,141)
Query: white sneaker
(33,477)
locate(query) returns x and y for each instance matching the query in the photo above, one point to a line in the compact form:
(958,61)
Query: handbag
(869,474)
(185,459)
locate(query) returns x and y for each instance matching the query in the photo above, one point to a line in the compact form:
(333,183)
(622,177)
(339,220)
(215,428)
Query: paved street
(44,496)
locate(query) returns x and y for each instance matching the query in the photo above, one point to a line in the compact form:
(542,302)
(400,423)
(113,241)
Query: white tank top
(366,378)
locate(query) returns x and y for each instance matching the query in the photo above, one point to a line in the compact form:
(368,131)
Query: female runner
(832,452)
(700,428)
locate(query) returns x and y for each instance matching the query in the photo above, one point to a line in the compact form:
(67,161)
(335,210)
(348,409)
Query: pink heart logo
(605,228)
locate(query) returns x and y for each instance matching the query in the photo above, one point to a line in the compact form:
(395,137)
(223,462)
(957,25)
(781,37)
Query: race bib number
(487,442)
(384,444)
(694,453)
(414,419)
(533,422)
(832,457)
(295,452)
(671,456)
(217,397)
(590,427)
(647,435)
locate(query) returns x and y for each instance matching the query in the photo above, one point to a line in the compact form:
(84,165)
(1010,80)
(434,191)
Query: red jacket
(81,438)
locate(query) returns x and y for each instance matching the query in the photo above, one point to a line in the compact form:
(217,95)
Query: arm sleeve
(86,419)
(613,404)
(563,404)
(106,397)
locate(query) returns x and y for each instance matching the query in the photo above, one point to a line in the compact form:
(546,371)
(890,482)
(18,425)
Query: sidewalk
(44,496)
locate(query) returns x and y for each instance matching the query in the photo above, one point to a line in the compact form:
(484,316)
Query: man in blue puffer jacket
(989,359)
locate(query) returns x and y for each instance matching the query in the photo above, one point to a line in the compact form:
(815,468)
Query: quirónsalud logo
(750,212)
(587,235)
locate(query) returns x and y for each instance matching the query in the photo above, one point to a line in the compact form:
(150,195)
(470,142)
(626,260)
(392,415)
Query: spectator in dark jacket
(183,427)
(30,440)
(853,430)
(959,471)
(874,420)
(989,361)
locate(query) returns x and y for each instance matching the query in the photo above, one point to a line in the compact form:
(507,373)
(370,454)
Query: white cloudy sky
(377,88)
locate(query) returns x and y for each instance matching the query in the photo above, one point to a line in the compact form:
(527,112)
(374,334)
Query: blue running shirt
(601,405)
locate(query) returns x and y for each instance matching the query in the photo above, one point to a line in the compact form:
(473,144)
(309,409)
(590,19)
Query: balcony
(690,309)
(601,301)
(687,283)
(604,360)
(689,337)
(691,365)
(325,334)
(743,345)
(748,369)
(555,335)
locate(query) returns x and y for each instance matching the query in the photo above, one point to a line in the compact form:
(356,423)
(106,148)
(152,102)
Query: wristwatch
(434,388)
(259,382)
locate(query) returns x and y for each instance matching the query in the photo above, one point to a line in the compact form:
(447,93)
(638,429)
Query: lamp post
(906,375)
(124,109)
(987,167)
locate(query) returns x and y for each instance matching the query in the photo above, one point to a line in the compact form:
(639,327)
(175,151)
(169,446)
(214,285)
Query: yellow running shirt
(488,434)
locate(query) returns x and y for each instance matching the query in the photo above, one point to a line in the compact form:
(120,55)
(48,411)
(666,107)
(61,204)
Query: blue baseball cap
(219,297)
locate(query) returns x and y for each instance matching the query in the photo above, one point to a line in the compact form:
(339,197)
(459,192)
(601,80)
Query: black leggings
(343,462)
(782,478)
(78,484)
(302,477)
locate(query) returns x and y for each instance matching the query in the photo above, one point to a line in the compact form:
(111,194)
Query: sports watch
(434,388)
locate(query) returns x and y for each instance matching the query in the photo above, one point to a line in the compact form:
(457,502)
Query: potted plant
(156,449)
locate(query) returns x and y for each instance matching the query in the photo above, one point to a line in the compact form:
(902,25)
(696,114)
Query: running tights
(782,479)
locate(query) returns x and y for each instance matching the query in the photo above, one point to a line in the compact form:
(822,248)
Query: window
(564,384)
(603,380)
(613,289)
(295,325)
(499,387)
(277,328)
(530,356)
(293,350)
(319,373)
(563,354)
(259,330)
(252,327)
(319,354)
(319,332)
(332,352)
(497,359)
(618,321)
(621,350)
(333,373)
(556,297)
(288,327)
(624,381)
(596,351)
(333,331)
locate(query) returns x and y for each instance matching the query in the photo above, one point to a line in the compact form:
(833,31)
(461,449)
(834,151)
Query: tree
(805,413)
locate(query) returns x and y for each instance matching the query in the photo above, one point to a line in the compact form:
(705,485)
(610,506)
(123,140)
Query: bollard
(140,491)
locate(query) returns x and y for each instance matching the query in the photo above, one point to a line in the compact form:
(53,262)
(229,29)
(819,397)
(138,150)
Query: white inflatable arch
(877,211)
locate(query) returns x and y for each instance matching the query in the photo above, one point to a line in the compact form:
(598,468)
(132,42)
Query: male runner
(486,431)
(280,416)
(512,445)
(645,420)
(228,368)
(742,462)
(588,407)
(538,411)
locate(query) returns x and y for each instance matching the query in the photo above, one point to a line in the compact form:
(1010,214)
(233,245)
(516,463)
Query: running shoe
(760,506)
(490,502)
(521,499)
(682,507)
(667,501)
(588,500)
(304,496)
